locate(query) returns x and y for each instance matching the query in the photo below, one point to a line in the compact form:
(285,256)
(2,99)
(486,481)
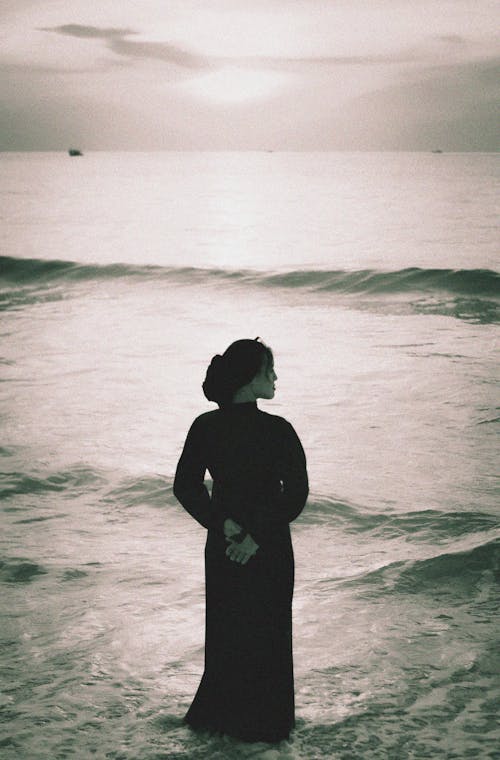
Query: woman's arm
(189,487)
(295,490)
(287,505)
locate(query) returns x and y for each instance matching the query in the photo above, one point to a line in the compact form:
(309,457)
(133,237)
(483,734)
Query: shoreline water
(382,635)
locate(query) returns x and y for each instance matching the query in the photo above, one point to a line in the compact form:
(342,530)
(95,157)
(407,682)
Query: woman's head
(245,368)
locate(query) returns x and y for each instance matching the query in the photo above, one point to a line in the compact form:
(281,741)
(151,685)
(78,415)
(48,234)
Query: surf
(478,282)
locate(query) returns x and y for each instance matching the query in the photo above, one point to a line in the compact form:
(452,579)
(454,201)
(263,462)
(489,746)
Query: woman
(259,486)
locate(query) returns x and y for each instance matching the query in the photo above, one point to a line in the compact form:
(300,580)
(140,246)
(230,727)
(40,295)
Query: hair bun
(217,364)
(215,386)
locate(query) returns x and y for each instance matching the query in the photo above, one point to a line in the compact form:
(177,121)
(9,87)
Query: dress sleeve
(189,487)
(285,506)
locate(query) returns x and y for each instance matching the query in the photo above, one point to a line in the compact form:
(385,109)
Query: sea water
(374,279)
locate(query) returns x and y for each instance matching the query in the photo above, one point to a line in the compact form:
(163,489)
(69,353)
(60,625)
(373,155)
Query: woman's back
(257,465)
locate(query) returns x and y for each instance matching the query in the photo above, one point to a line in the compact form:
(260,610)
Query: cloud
(160,51)
(92,32)
(170,53)
(183,64)
(118,42)
(132,48)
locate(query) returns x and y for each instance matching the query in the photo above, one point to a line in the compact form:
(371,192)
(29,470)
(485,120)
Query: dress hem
(235,734)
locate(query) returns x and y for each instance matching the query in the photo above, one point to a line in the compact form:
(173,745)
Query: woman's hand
(241,552)
(231,528)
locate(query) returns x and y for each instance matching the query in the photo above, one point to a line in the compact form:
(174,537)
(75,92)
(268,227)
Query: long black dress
(259,480)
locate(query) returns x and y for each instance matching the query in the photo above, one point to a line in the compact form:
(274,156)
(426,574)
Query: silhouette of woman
(260,485)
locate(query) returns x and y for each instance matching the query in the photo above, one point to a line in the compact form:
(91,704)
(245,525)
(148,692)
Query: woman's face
(263,383)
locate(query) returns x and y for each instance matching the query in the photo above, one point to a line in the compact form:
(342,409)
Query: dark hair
(237,366)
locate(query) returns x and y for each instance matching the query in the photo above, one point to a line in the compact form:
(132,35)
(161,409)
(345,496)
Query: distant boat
(438,150)
(75,152)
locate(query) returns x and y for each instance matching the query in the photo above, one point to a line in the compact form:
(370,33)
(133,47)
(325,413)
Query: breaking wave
(470,282)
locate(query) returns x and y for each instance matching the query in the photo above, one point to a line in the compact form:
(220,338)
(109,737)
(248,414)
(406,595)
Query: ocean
(374,278)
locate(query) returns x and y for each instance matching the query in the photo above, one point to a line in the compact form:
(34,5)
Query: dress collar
(241,407)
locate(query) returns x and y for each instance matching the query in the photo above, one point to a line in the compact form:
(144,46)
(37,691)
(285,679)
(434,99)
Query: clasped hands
(240,551)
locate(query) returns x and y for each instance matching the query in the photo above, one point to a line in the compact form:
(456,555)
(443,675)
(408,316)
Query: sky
(240,75)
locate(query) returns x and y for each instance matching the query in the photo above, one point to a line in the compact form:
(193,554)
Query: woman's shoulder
(276,421)
(202,422)
(205,418)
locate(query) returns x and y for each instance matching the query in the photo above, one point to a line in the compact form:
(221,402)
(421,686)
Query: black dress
(259,480)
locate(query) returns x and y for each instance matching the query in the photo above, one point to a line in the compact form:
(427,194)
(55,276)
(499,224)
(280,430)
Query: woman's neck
(244,395)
